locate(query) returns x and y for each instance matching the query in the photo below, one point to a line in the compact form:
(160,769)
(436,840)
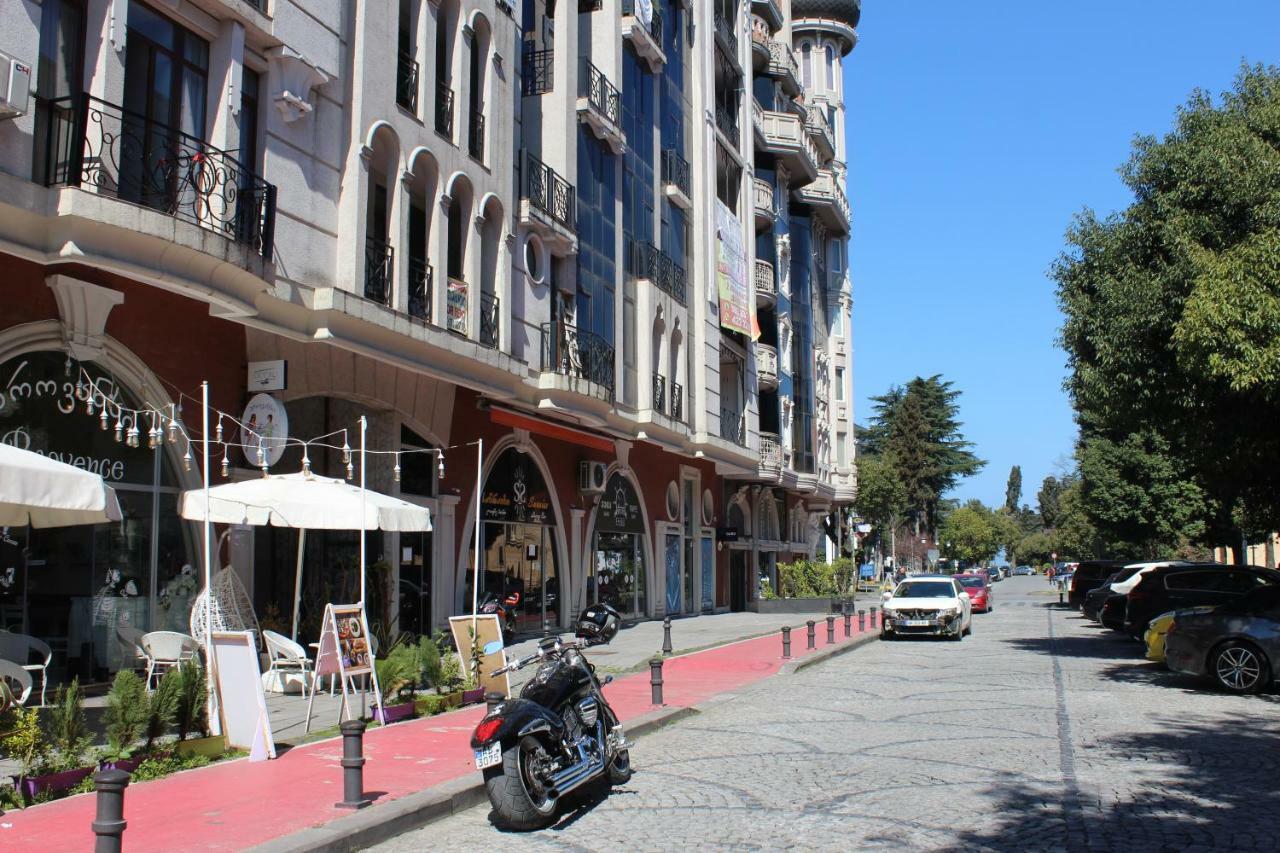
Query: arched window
(806,64)
(831,68)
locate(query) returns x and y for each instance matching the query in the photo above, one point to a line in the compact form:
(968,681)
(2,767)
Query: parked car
(936,606)
(1237,645)
(1178,587)
(1111,611)
(1111,614)
(980,595)
(1089,575)
(1159,628)
(1023,571)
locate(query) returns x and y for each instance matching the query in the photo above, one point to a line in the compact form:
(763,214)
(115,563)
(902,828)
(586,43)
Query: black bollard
(831,630)
(847,617)
(655,680)
(492,699)
(352,765)
(811,636)
(666,635)
(109,822)
(786,641)
(873,617)
(862,621)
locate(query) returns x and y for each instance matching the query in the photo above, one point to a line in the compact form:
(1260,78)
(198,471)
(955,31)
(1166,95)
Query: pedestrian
(1050,574)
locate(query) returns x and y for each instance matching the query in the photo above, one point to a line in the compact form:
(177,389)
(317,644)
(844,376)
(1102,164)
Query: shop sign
(619,510)
(515,492)
(266,430)
(727,534)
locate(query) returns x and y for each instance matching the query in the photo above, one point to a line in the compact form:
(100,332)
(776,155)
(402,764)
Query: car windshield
(926,589)
(972,583)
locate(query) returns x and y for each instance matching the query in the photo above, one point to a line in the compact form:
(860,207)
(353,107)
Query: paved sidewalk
(236,805)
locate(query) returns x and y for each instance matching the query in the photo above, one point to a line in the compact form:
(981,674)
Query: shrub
(191,712)
(22,740)
(815,579)
(128,712)
(397,674)
(68,732)
(430,666)
(162,706)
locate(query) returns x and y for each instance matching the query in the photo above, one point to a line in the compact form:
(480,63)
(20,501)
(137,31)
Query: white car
(936,606)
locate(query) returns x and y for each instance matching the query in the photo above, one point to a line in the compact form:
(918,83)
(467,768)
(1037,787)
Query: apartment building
(534,225)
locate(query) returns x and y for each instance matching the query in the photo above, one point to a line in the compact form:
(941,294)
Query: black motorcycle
(558,736)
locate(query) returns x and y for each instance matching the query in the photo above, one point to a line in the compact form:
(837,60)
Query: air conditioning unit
(591,477)
(15,87)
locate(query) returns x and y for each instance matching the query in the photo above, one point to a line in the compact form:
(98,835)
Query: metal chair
(16,680)
(287,656)
(21,649)
(166,650)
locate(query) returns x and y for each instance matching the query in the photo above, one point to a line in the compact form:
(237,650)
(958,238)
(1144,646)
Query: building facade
(607,239)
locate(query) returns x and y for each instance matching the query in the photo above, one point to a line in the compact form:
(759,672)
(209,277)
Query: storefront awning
(506,417)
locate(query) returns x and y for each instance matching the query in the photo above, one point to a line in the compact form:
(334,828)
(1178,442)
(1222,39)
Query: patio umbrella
(43,492)
(305,502)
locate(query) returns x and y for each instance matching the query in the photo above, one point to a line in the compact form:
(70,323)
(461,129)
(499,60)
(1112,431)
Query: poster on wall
(456,307)
(516,492)
(266,430)
(731,272)
(619,510)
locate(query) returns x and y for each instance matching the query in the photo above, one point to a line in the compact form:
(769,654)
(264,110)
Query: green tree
(1047,500)
(1075,536)
(881,498)
(971,533)
(1013,491)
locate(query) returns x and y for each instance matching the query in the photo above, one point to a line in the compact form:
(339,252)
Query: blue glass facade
(802,343)
(597,235)
(673,106)
(639,104)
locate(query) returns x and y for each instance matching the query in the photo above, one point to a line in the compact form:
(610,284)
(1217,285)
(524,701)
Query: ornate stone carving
(293,77)
(84,308)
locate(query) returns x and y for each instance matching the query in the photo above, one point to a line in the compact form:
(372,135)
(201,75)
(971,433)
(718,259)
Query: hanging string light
(306,463)
(119,425)
(173,430)
(217,436)
(440,465)
(351,470)
(262,459)
(346,454)
(154,435)
(186,459)
(131,437)
(395,472)
(88,405)
(102,416)
(226,465)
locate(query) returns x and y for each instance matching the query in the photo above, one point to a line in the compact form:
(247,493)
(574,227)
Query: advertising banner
(731,273)
(457,307)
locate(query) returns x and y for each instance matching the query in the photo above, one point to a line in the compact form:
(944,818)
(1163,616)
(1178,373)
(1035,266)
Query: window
(839,384)
(1208,581)
(806,64)
(842,453)
(249,93)
(831,67)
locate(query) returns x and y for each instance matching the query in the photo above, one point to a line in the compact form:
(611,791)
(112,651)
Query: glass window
(1208,581)
(806,64)
(831,67)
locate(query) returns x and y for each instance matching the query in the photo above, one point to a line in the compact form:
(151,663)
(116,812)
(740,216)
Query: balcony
(677,182)
(727,122)
(577,354)
(407,82)
(475,136)
(770,454)
(104,149)
(766,366)
(600,107)
(586,7)
(762,193)
(677,402)
(766,284)
(421,275)
(647,40)
(761,35)
(727,38)
(815,122)
(785,137)
(659,393)
(828,200)
(537,71)
(548,205)
(783,67)
(733,427)
(645,262)
(444,110)
(379,270)
(489,320)
(457,307)
(770,11)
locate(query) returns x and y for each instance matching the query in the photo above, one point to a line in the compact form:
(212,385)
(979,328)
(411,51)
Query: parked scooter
(558,736)
(506,612)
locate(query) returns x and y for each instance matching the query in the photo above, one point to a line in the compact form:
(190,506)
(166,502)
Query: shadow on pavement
(1200,786)
(1104,647)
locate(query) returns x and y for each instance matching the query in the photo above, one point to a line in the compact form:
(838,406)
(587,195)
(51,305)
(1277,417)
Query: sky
(975,132)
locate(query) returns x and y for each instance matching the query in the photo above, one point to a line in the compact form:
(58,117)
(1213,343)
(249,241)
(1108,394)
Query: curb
(793,666)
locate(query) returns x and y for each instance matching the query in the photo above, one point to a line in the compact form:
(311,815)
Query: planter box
(794,605)
(470,697)
(209,747)
(393,713)
(128,765)
(51,783)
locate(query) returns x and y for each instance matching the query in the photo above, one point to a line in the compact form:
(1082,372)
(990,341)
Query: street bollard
(831,630)
(862,621)
(666,635)
(847,617)
(352,765)
(655,680)
(109,822)
(1060,595)
(492,699)
(811,636)
(786,641)
(873,617)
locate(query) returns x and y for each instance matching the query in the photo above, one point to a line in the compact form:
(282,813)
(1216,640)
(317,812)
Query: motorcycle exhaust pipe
(572,778)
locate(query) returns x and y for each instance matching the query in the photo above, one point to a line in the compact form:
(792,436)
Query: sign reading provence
(516,492)
(619,510)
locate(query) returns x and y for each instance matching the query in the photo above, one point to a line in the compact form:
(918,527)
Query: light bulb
(186,460)
(217,436)
(173,430)
(395,472)
(265,472)
(306,466)
(350,470)
(88,406)
(262,455)
(226,466)
(119,428)
(102,416)
(440,467)
(346,453)
(132,436)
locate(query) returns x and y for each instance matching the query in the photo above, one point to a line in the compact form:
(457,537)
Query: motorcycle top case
(554,682)
(517,715)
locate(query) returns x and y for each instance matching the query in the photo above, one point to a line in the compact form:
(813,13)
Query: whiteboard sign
(242,704)
(268,375)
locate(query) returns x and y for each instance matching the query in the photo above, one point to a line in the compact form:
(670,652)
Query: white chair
(287,656)
(20,649)
(166,650)
(17,679)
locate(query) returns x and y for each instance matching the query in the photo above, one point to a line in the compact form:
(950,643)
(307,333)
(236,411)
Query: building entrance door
(738,581)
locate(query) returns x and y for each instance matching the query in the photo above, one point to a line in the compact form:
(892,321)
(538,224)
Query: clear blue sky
(975,132)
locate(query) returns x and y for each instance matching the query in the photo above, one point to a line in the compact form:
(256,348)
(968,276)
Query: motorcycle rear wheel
(518,797)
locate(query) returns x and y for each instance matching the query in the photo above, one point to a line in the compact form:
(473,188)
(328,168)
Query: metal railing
(570,351)
(407,82)
(733,427)
(475,136)
(444,110)
(106,149)
(379,270)
(655,25)
(782,63)
(489,319)
(421,276)
(725,32)
(766,366)
(770,452)
(599,92)
(727,121)
(659,393)
(548,192)
(766,285)
(585,6)
(677,402)
(763,195)
(675,170)
(645,260)
(537,71)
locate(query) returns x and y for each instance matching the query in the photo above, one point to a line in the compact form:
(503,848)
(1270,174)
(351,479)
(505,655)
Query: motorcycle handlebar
(521,663)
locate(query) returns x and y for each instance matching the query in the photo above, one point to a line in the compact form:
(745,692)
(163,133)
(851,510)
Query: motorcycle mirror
(492,647)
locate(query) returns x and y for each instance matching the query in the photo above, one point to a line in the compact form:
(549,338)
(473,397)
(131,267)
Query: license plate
(489,756)
(916,623)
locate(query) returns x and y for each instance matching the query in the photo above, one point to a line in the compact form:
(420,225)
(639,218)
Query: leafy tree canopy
(1013,491)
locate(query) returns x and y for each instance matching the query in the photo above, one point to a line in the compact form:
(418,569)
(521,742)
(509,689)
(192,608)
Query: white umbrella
(43,492)
(304,502)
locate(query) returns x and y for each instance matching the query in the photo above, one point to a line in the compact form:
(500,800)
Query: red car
(979,589)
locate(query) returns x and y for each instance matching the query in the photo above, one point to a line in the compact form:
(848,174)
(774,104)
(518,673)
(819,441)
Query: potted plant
(191,715)
(23,742)
(68,739)
(162,705)
(397,676)
(128,713)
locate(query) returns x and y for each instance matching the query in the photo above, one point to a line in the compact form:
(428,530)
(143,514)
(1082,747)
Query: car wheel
(1239,667)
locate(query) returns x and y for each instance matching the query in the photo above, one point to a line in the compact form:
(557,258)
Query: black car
(1092,606)
(1112,612)
(1236,645)
(1178,587)
(1088,576)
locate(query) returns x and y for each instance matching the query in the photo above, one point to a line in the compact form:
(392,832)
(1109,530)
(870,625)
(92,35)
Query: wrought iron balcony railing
(569,351)
(659,393)
(644,260)
(444,110)
(586,6)
(489,319)
(475,136)
(102,148)
(407,82)
(733,427)
(537,71)
(770,453)
(548,192)
(675,170)
(677,402)
(655,25)
(379,270)
(726,34)
(421,275)
(727,121)
(603,95)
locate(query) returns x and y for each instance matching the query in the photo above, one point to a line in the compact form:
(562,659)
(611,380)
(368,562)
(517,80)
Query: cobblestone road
(1039,732)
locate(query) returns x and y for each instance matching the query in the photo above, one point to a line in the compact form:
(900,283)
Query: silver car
(1236,645)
